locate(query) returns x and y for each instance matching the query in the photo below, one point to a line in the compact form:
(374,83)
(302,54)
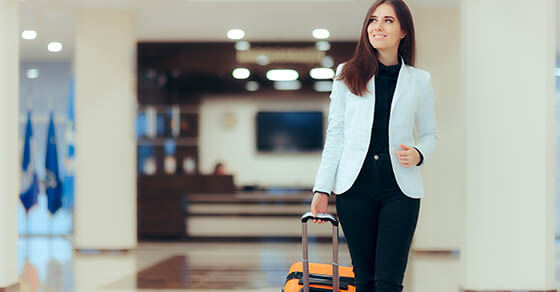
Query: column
(9,152)
(105,209)
(508,53)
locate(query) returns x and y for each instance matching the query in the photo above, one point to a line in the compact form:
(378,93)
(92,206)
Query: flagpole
(27,247)
(50,106)
(33,156)
(26,223)
(29,190)
(51,225)
(29,105)
(53,184)
(69,157)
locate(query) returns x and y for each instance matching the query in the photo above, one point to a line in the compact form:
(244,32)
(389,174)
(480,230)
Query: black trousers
(378,221)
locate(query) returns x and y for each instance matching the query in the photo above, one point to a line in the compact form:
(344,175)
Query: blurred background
(173,145)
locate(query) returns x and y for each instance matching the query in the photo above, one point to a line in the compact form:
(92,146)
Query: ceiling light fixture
(29,34)
(321,33)
(235,34)
(282,75)
(54,47)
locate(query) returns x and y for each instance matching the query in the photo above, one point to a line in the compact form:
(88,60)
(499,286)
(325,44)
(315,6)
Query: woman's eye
(386,20)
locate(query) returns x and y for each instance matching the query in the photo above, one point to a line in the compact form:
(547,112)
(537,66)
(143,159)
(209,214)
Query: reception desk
(252,216)
(161,201)
(183,208)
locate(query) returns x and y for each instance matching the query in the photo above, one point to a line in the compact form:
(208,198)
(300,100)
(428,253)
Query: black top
(385,84)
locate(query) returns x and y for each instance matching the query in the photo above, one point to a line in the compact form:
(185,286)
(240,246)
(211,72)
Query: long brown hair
(363,65)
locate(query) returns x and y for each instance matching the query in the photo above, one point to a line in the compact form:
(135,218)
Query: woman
(370,159)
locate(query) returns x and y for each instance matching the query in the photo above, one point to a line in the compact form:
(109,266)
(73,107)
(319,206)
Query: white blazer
(350,124)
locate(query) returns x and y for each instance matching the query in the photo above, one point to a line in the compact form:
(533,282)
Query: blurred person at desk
(219,169)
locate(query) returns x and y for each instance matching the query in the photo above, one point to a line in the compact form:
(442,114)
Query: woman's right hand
(319,204)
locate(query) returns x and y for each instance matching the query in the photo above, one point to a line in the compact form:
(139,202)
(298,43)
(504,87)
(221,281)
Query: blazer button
(376,157)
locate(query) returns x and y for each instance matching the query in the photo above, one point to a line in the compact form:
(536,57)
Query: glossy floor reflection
(49,264)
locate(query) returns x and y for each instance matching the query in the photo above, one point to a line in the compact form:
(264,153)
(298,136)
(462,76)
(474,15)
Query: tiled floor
(51,265)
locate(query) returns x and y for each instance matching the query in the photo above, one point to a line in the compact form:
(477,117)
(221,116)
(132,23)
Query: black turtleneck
(385,84)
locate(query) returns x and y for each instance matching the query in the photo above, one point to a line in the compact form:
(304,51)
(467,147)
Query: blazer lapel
(402,83)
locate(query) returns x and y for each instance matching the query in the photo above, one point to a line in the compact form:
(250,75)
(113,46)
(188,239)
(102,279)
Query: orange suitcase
(315,277)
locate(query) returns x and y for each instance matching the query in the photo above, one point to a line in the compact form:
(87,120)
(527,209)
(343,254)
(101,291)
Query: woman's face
(384,29)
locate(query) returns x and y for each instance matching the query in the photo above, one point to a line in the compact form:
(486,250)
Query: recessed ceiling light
(322,86)
(282,75)
(235,34)
(321,33)
(241,73)
(263,60)
(29,34)
(322,45)
(252,86)
(242,45)
(32,73)
(287,85)
(54,47)
(321,73)
(327,61)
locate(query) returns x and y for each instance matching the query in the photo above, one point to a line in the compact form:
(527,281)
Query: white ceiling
(198,20)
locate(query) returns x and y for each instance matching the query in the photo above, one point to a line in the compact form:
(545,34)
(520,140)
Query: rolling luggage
(315,277)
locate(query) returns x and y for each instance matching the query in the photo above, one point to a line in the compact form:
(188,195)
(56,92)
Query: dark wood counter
(238,216)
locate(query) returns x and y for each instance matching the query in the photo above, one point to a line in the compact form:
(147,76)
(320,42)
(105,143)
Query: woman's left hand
(408,156)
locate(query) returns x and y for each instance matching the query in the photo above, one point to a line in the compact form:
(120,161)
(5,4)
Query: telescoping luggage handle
(334,222)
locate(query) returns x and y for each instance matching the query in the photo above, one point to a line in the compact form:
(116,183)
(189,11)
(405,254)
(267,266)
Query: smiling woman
(370,159)
(387,31)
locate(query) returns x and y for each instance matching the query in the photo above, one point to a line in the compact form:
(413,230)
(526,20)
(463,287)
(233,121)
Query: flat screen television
(289,131)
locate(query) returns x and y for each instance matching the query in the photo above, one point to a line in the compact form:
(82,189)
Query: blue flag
(53,184)
(68,197)
(29,181)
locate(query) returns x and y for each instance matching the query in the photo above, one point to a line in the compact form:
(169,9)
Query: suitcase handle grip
(321,216)
(334,221)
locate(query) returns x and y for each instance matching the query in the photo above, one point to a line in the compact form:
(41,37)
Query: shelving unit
(167,141)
